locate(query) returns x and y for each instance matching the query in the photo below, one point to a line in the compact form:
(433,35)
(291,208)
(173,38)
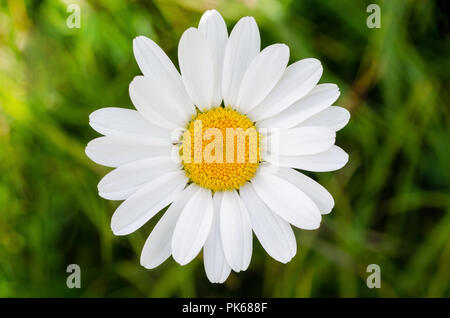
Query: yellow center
(220,149)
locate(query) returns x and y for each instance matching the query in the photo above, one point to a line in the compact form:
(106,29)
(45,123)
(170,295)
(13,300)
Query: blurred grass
(392,198)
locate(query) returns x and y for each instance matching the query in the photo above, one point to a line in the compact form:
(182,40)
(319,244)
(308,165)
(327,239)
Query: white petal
(333,117)
(113,151)
(154,63)
(158,246)
(193,226)
(213,27)
(321,96)
(329,160)
(301,141)
(242,47)
(320,196)
(146,202)
(197,67)
(235,231)
(127,123)
(262,75)
(274,233)
(289,202)
(158,104)
(123,181)
(298,80)
(216,266)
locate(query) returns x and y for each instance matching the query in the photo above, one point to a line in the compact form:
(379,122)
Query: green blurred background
(392,198)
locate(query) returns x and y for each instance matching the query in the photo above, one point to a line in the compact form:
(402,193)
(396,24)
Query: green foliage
(392,198)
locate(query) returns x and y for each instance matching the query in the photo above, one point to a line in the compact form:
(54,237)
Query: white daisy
(225,83)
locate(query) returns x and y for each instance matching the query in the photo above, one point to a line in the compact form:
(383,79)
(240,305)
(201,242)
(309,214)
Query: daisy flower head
(219,144)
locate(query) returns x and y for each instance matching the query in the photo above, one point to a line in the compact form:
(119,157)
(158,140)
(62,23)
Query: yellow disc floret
(220,149)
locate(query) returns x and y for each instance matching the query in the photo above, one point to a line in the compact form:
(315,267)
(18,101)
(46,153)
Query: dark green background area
(392,198)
